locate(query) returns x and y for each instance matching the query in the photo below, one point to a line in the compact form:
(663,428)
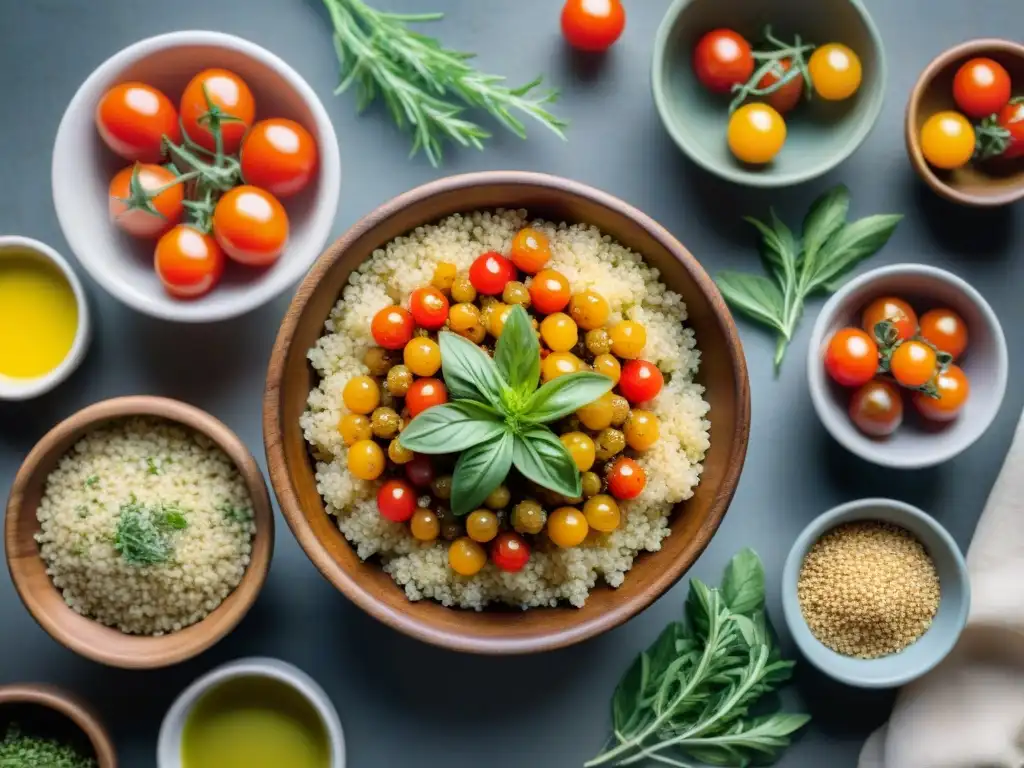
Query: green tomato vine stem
(771,63)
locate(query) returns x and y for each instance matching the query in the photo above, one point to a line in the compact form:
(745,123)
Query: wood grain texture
(503,631)
(989,184)
(89,638)
(73,708)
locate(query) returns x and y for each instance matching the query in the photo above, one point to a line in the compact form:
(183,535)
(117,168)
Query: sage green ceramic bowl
(820,134)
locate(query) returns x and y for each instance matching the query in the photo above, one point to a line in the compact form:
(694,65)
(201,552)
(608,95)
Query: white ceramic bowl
(23,389)
(83,167)
(168,751)
(916,443)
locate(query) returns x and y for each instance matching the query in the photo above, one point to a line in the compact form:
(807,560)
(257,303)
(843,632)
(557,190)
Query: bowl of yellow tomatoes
(764,93)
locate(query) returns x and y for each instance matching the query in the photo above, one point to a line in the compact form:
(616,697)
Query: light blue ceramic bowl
(917,659)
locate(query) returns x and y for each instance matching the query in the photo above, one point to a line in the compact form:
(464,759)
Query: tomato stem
(772,64)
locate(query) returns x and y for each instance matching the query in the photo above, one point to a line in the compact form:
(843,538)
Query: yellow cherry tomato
(422,356)
(466,557)
(354,427)
(559,332)
(482,525)
(628,339)
(598,414)
(589,309)
(361,394)
(835,72)
(424,524)
(398,453)
(602,513)
(608,365)
(444,276)
(558,364)
(641,430)
(366,460)
(462,317)
(567,527)
(499,312)
(756,133)
(581,447)
(947,140)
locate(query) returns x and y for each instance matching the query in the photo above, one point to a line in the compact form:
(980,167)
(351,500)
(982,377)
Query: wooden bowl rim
(289,502)
(174,647)
(72,707)
(979,47)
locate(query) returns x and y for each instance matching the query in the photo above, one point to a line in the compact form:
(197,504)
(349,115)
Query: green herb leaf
(469,372)
(826,216)
(743,583)
(778,246)
(143,534)
(517,353)
(561,396)
(479,471)
(755,296)
(850,245)
(541,457)
(452,427)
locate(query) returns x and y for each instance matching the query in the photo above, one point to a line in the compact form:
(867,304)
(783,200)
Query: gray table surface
(404,703)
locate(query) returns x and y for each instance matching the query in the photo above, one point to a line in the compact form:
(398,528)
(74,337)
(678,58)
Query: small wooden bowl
(989,184)
(497,631)
(75,720)
(85,636)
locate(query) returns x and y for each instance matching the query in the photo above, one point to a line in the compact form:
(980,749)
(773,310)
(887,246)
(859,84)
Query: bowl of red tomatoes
(907,366)
(965,123)
(196,176)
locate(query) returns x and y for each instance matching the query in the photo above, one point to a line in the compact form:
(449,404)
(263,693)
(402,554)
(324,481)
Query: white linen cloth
(969,711)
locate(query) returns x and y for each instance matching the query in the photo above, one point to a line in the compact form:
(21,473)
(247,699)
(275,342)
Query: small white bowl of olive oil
(251,713)
(44,318)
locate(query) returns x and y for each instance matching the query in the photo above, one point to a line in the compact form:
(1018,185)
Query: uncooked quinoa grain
(590,260)
(146,526)
(868,589)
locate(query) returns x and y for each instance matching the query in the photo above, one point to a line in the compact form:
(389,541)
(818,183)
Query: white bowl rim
(169,740)
(818,385)
(326,203)
(17,389)
(791,573)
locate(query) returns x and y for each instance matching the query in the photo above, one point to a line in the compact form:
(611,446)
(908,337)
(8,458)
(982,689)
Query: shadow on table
(861,710)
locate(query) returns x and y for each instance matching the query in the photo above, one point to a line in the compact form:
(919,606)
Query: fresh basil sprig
(798,267)
(497,415)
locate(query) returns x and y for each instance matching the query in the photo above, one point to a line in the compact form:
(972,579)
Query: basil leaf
(851,244)
(479,471)
(778,246)
(755,296)
(469,372)
(826,216)
(517,353)
(452,427)
(541,457)
(561,396)
(743,583)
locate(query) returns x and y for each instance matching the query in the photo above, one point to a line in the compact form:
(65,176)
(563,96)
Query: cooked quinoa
(146,526)
(590,260)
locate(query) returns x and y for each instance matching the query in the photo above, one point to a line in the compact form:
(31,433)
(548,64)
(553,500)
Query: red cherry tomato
(788,96)
(429,308)
(510,552)
(913,363)
(852,357)
(981,88)
(953,387)
(896,311)
(140,221)
(279,156)
(549,291)
(876,408)
(425,393)
(419,470)
(490,272)
(188,262)
(592,25)
(946,330)
(133,118)
(722,59)
(230,96)
(1011,120)
(251,225)
(626,478)
(640,381)
(392,327)
(396,500)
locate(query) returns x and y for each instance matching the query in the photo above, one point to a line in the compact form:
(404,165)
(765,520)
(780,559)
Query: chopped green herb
(234,514)
(144,534)
(152,467)
(18,750)
(82,510)
(91,480)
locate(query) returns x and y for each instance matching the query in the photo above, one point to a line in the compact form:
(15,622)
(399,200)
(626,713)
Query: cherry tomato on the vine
(947,140)
(188,262)
(251,226)
(429,307)
(396,500)
(787,96)
(913,363)
(895,310)
(1011,120)
(626,478)
(592,25)
(425,393)
(876,408)
(278,155)
(756,133)
(851,358)
(392,327)
(953,389)
(981,87)
(230,96)
(139,221)
(549,291)
(489,272)
(510,552)
(946,330)
(640,381)
(835,71)
(132,119)
(722,59)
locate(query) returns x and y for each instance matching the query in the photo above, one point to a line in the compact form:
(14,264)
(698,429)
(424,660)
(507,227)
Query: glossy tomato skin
(893,309)
(593,25)
(851,358)
(626,478)
(510,552)
(188,262)
(396,501)
(429,308)
(722,59)
(549,291)
(788,96)
(835,71)
(946,330)
(251,226)
(392,327)
(913,363)
(425,393)
(640,381)
(954,389)
(140,222)
(230,94)
(420,471)
(947,140)
(876,409)
(490,272)
(279,156)
(756,133)
(981,87)
(132,119)
(1011,118)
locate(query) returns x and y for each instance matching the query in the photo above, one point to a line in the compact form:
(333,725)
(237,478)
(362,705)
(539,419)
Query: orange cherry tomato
(954,389)
(251,226)
(425,393)
(896,311)
(188,262)
(392,327)
(166,206)
(981,87)
(133,118)
(852,357)
(279,155)
(592,25)
(230,97)
(876,408)
(549,291)
(913,363)
(946,330)
(626,478)
(788,96)
(429,307)
(530,250)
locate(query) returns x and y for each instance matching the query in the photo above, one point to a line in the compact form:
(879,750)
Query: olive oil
(38,315)
(254,722)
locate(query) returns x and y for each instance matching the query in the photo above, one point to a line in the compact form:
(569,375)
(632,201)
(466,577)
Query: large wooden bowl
(89,638)
(290,379)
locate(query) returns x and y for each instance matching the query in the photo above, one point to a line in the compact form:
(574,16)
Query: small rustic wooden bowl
(89,638)
(72,722)
(498,631)
(988,184)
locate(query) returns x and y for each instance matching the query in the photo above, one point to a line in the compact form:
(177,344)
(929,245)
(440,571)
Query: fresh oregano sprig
(497,415)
